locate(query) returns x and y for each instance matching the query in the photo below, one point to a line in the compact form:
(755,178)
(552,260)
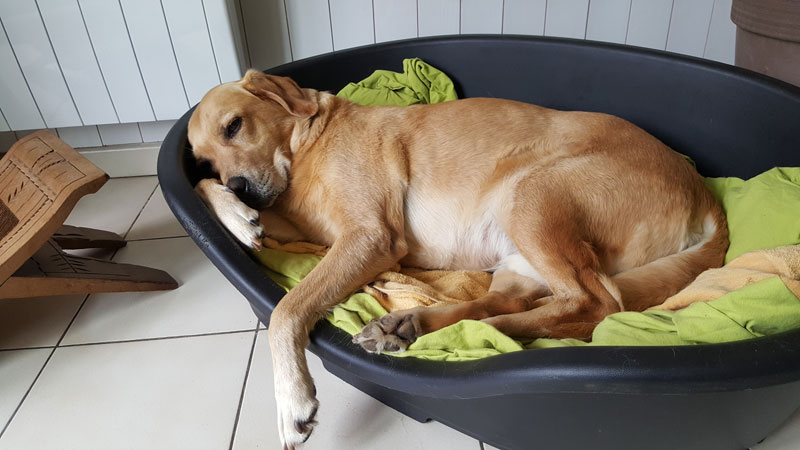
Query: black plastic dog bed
(732,122)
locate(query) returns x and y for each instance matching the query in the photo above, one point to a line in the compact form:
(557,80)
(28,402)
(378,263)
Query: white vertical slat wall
(106,72)
(280,31)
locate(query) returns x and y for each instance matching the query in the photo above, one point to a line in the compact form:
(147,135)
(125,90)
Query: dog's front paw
(391,333)
(240,219)
(296,418)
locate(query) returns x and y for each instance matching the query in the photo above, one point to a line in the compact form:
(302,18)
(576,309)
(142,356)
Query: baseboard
(127,160)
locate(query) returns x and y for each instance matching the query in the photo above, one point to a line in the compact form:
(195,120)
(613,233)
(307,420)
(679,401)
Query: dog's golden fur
(579,215)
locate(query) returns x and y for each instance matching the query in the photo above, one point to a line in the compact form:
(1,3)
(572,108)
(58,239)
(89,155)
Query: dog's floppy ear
(282,90)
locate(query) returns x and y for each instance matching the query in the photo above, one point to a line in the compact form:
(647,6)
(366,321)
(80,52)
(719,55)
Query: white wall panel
(608,20)
(438,17)
(524,16)
(77,137)
(309,27)
(119,133)
(192,43)
(112,46)
(27,35)
(566,18)
(16,101)
(226,38)
(267,33)
(155,131)
(352,23)
(649,23)
(721,41)
(481,16)
(395,19)
(75,55)
(689,25)
(153,47)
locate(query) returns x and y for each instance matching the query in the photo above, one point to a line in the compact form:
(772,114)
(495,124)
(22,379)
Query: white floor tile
(18,369)
(36,322)
(205,302)
(115,206)
(348,419)
(156,220)
(787,437)
(164,394)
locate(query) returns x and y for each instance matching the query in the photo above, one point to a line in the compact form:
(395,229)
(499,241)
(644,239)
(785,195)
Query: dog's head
(243,129)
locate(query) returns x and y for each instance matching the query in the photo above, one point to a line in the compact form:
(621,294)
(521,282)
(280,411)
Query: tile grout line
(159,238)
(244,386)
(33,383)
(124,236)
(58,345)
(75,316)
(69,325)
(22,400)
(161,338)
(38,347)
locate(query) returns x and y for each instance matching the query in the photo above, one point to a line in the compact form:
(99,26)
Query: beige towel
(404,288)
(746,269)
(417,287)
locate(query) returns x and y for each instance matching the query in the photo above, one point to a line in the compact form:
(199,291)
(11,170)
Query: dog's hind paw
(391,333)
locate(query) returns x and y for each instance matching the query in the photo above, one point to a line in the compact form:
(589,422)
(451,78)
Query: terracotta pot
(768,37)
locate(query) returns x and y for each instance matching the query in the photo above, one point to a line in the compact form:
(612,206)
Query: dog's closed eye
(233,127)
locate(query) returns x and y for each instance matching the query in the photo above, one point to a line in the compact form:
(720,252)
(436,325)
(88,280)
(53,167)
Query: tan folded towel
(746,269)
(404,288)
(416,287)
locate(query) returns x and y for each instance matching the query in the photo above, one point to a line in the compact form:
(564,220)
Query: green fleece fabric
(419,83)
(762,213)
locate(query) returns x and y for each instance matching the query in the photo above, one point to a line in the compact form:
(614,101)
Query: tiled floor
(185,369)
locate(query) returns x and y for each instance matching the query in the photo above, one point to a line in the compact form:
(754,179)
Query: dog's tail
(651,284)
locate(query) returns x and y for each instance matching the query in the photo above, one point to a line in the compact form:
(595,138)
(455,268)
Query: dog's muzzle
(254,196)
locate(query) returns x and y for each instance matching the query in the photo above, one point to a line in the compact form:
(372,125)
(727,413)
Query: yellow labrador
(578,215)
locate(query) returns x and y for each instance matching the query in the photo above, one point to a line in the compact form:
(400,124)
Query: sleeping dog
(578,215)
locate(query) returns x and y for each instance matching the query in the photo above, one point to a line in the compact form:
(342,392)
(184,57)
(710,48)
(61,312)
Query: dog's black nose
(237,184)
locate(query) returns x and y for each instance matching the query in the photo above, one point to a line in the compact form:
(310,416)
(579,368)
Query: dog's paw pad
(391,333)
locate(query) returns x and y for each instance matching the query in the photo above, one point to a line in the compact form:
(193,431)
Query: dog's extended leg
(354,259)
(241,220)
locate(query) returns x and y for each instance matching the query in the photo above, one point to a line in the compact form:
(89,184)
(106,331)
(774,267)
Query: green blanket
(419,83)
(767,202)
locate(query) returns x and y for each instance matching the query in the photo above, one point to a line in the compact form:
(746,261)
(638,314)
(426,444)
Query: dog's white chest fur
(446,233)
